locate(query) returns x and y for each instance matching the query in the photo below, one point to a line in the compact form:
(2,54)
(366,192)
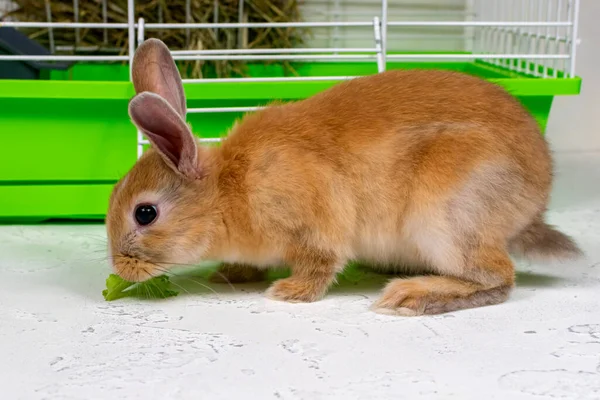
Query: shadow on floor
(536,280)
(355,279)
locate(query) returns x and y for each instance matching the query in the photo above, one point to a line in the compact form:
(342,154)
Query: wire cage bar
(537,38)
(504,30)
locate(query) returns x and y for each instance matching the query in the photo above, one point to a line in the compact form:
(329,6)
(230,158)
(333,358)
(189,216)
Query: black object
(13,42)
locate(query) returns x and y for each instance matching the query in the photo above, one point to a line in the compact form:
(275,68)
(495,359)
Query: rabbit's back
(395,107)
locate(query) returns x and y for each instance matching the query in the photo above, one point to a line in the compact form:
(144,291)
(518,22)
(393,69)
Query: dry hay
(115,41)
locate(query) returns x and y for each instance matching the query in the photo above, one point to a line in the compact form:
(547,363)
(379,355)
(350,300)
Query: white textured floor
(60,340)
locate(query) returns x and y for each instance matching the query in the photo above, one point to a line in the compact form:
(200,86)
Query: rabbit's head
(162,213)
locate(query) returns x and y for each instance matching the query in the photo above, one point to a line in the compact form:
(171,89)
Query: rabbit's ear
(168,133)
(154,70)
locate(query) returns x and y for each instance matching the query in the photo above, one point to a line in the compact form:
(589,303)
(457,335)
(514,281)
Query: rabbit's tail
(543,242)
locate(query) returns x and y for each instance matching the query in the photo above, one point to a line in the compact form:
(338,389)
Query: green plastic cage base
(68,139)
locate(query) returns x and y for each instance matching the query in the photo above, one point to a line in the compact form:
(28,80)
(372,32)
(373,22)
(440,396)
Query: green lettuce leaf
(155,288)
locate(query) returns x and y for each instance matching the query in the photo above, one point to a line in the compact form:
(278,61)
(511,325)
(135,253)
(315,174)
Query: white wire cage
(535,38)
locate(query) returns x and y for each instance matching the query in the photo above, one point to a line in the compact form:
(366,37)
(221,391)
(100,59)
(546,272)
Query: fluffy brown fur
(438,170)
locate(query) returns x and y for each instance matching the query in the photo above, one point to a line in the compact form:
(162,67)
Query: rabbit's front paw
(296,290)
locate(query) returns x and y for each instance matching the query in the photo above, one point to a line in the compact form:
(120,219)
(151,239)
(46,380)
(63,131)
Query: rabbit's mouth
(133,269)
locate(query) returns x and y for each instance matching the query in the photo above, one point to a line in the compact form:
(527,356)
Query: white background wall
(574,121)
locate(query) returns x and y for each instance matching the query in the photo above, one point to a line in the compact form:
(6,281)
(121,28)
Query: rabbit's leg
(486,278)
(237,273)
(313,272)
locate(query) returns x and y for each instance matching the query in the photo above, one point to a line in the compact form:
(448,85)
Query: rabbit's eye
(145,214)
